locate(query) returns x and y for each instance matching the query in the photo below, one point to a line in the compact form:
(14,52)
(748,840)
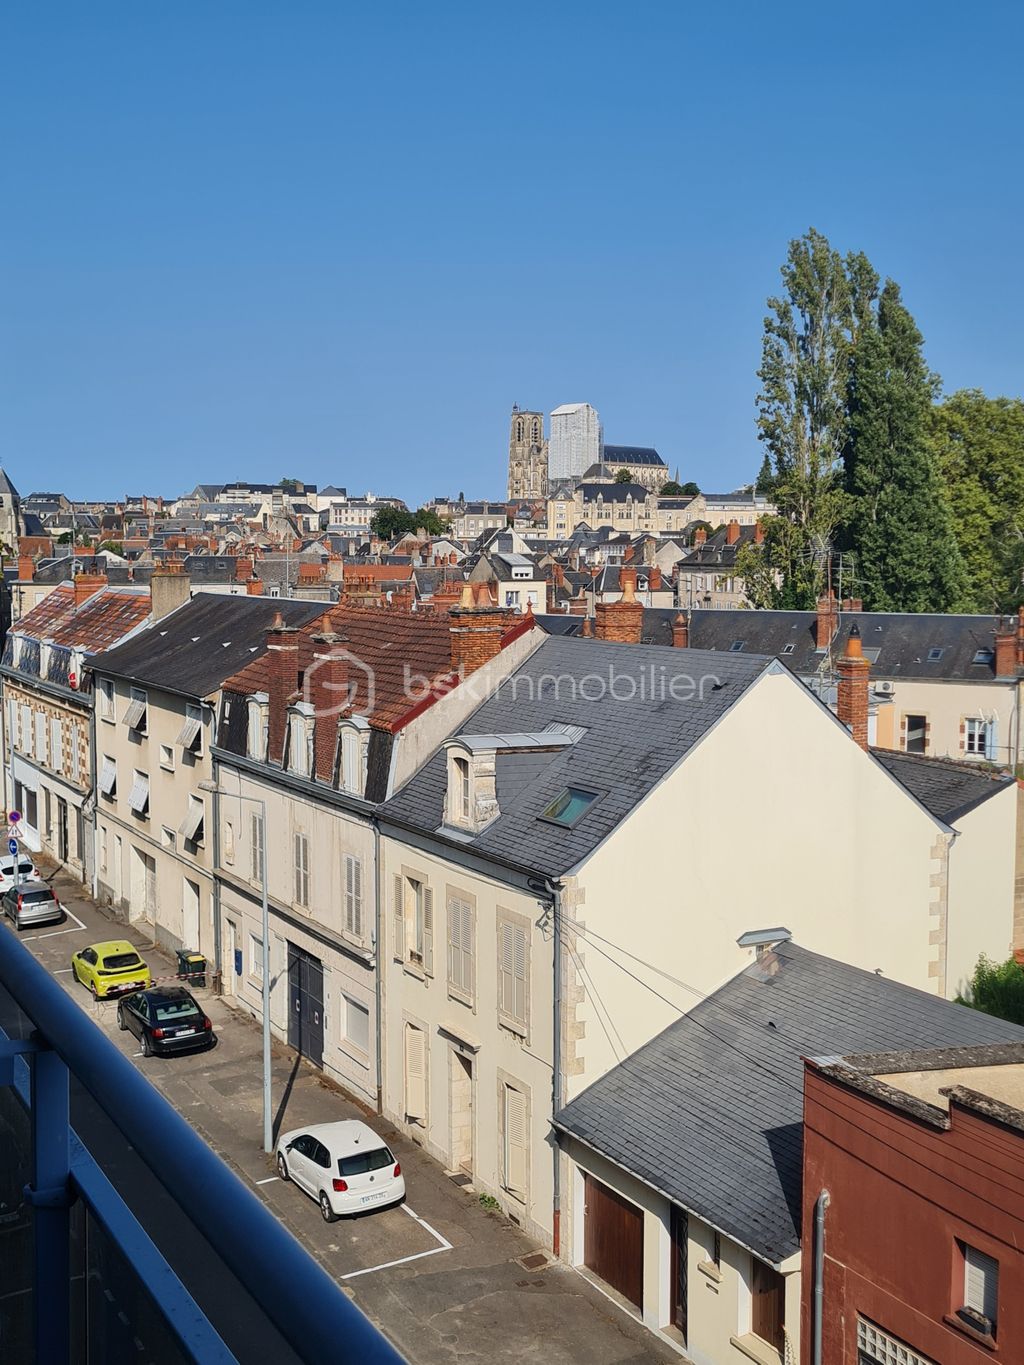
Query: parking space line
(61,971)
(269,1180)
(443,1245)
(55,933)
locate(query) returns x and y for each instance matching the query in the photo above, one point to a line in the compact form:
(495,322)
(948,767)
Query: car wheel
(282,1167)
(147,1046)
(120,1019)
(327,1213)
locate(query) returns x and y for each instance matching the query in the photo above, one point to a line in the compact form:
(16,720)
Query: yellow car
(108,969)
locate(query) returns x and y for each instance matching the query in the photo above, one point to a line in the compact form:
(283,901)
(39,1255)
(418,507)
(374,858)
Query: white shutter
(468,950)
(515,1140)
(428,930)
(455,944)
(56,745)
(353,895)
(981,1283)
(399,916)
(76,764)
(40,737)
(506,969)
(992,740)
(256,850)
(26,730)
(415,1073)
(519,969)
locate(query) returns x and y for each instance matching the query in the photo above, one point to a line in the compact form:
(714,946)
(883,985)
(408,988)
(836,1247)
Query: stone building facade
(527,456)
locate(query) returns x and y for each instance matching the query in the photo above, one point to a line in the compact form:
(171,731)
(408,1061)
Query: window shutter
(981,1282)
(506,969)
(357,867)
(468,950)
(992,740)
(455,944)
(415,1073)
(399,913)
(515,1140)
(519,965)
(428,931)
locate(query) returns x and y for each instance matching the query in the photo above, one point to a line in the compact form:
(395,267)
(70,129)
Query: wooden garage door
(614,1240)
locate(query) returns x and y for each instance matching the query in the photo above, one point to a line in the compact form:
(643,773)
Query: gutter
(818,1299)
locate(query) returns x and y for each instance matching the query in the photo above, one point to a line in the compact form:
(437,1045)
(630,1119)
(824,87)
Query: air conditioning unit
(884,687)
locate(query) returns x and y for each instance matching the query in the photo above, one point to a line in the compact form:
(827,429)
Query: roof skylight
(569,807)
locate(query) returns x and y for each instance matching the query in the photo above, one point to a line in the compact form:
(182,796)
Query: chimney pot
(732,532)
(852,697)
(680,632)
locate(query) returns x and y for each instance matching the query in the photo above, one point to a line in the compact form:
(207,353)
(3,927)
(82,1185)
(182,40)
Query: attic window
(935,654)
(983,656)
(736,646)
(788,649)
(569,807)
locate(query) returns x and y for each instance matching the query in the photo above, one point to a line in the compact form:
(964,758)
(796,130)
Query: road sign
(13,816)
(12,844)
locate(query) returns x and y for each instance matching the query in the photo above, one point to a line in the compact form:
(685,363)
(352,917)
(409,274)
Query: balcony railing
(123,1236)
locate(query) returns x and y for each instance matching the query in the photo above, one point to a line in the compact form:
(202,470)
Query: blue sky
(339,241)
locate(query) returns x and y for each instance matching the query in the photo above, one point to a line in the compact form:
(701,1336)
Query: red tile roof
(101,621)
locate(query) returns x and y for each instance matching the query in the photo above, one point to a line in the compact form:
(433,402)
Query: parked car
(112,968)
(27,871)
(36,903)
(165,1019)
(344,1166)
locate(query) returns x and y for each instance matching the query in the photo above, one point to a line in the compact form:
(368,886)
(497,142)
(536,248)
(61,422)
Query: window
(103,848)
(108,777)
(788,649)
(167,757)
(259,727)
(351,761)
(138,799)
(256,847)
(917,734)
(357,1025)
(74,754)
(168,837)
(192,825)
(460,791)
(570,807)
(190,736)
(981,1290)
(984,656)
(105,699)
(135,716)
(255,957)
(876,1347)
(301,870)
(25,729)
(979,737)
(460,947)
(414,922)
(514,1143)
(513,972)
(353,895)
(737,645)
(300,742)
(229,843)
(935,654)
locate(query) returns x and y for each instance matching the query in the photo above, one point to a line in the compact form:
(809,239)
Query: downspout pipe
(818,1303)
(378,963)
(553,890)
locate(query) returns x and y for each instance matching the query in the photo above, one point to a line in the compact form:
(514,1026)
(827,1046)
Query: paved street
(442,1277)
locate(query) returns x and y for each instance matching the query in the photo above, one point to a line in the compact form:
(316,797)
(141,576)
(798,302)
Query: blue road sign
(12,844)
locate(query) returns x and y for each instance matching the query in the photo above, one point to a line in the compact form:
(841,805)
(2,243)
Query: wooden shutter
(415,1073)
(455,944)
(350,912)
(506,969)
(519,964)
(399,916)
(468,950)
(992,749)
(768,1308)
(515,1140)
(428,930)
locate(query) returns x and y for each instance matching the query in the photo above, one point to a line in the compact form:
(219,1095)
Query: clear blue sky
(339,241)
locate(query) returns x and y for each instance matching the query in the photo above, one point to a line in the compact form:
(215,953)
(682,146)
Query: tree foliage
(389,522)
(898,527)
(996,988)
(624,476)
(978,444)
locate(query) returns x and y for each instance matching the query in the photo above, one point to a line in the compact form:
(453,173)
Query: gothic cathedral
(527,456)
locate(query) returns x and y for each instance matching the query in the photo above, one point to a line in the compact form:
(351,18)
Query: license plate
(185,1032)
(371,1198)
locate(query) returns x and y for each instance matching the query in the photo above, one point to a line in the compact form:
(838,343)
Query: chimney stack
(759,534)
(852,701)
(86,584)
(680,632)
(828,620)
(621,621)
(329,696)
(1020,637)
(26,568)
(283,659)
(476,629)
(732,532)
(699,537)
(654,579)
(1006,648)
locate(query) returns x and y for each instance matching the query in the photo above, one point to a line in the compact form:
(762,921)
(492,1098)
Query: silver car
(32,904)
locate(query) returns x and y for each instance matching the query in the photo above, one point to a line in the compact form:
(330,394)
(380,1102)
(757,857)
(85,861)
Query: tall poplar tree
(899,526)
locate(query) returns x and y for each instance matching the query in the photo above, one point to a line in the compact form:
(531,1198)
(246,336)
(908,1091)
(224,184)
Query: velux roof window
(569,807)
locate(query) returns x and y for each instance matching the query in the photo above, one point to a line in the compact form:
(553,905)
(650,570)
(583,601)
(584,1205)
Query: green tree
(802,412)
(389,522)
(290,486)
(115,547)
(765,483)
(675,489)
(624,476)
(996,988)
(978,443)
(899,526)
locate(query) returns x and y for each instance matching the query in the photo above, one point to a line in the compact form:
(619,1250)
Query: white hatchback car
(26,871)
(345,1166)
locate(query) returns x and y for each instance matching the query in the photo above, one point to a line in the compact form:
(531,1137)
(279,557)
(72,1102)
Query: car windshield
(362,1163)
(42,894)
(119,961)
(7,868)
(169,1010)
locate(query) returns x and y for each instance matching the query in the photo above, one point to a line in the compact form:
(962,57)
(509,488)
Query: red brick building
(922,1158)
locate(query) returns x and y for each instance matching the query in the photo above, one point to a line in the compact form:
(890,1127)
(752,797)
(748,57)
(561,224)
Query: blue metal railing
(292,1290)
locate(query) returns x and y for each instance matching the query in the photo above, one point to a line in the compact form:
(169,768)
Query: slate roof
(628,746)
(903,640)
(947,788)
(710,1112)
(613,492)
(645,455)
(207,639)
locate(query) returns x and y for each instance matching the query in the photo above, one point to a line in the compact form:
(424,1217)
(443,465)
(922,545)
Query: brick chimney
(621,621)
(283,671)
(86,584)
(476,629)
(758,534)
(828,620)
(328,693)
(627,557)
(1020,637)
(680,632)
(254,587)
(699,537)
(853,604)
(243,569)
(169,588)
(654,579)
(732,532)
(26,568)
(557,575)
(1006,648)
(852,701)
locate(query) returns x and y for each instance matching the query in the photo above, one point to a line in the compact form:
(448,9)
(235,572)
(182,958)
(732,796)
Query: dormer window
(471,800)
(460,793)
(258,731)
(352,763)
(300,739)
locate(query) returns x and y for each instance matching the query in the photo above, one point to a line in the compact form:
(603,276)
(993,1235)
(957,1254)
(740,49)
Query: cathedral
(12,523)
(527,456)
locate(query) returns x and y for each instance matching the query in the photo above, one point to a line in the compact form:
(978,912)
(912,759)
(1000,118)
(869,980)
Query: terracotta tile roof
(99,622)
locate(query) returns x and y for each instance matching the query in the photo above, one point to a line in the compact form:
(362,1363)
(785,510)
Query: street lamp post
(268,1118)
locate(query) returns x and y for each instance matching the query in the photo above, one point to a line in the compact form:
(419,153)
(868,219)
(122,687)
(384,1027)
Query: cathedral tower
(527,456)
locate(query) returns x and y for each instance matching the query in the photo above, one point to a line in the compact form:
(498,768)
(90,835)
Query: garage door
(614,1240)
